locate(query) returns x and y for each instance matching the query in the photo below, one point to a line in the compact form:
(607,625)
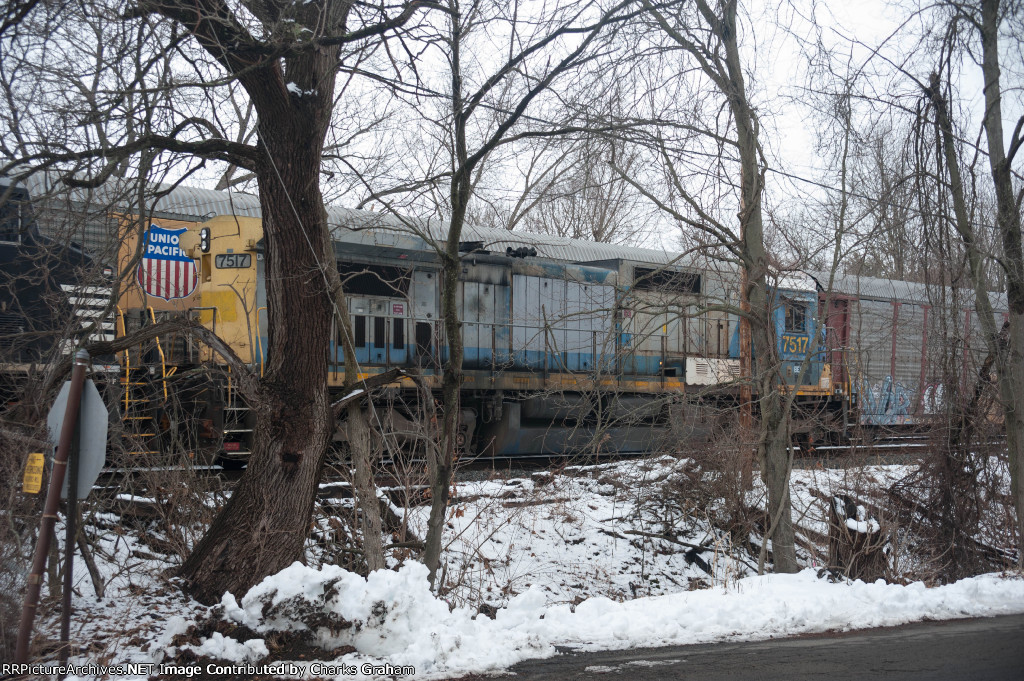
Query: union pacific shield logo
(165,271)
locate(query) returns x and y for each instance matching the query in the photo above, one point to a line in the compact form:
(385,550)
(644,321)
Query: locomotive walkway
(987,649)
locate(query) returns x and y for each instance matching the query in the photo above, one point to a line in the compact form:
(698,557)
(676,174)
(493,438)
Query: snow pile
(389,616)
(392,617)
(223,647)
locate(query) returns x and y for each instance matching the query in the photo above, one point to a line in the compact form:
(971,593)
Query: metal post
(49,519)
(70,528)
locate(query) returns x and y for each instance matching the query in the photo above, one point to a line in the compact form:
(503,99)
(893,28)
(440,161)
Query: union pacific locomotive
(570,347)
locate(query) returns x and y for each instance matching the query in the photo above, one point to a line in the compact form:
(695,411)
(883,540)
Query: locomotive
(51,293)
(559,356)
(569,347)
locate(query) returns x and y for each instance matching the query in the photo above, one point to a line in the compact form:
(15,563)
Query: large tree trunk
(264,526)
(1011,358)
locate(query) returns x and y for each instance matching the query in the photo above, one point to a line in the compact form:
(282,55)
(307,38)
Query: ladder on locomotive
(143,395)
(237,422)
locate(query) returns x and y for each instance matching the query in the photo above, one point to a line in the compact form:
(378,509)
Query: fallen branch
(367,385)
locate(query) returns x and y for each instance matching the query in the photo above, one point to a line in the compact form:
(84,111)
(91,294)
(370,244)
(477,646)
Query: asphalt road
(974,650)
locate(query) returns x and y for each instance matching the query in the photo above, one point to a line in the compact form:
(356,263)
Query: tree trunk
(359,433)
(443,460)
(444,456)
(366,490)
(1008,221)
(774,426)
(975,260)
(263,527)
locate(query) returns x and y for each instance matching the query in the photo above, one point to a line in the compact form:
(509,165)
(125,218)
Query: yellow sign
(33,480)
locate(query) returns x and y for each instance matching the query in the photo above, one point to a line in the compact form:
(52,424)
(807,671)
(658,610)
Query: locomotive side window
(374,280)
(380,338)
(398,331)
(647,279)
(796,317)
(360,332)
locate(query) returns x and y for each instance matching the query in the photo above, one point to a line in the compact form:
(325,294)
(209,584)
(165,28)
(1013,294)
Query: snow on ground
(590,559)
(608,530)
(399,622)
(582,534)
(395,620)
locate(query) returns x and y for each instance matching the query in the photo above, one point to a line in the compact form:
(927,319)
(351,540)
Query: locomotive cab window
(796,317)
(647,279)
(398,330)
(360,332)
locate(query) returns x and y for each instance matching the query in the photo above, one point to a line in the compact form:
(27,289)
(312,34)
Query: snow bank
(392,617)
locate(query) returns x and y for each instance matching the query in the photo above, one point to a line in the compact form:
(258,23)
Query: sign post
(70,526)
(68,427)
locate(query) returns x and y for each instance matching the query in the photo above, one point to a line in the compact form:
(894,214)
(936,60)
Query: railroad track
(402,486)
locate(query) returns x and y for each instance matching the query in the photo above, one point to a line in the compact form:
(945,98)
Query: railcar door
(837,338)
(424,317)
(385,333)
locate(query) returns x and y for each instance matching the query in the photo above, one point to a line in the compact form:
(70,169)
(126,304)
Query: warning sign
(33,480)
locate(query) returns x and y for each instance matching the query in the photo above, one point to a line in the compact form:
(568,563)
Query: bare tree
(1007,353)
(707,35)
(586,23)
(567,188)
(285,58)
(482,108)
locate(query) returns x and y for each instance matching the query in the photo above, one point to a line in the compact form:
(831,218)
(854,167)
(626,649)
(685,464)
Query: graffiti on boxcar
(888,403)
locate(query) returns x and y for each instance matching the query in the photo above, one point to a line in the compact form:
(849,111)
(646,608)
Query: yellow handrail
(213,316)
(163,362)
(127,358)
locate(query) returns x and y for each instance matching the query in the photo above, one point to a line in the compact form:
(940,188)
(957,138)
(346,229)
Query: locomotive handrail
(127,358)
(213,319)
(160,350)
